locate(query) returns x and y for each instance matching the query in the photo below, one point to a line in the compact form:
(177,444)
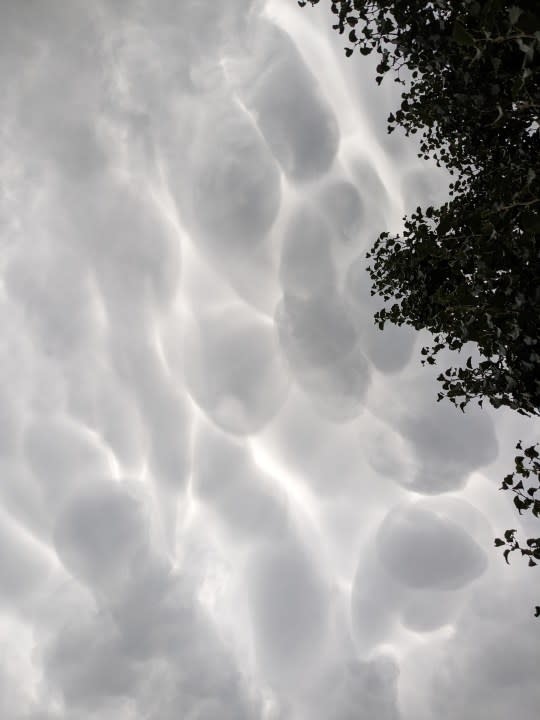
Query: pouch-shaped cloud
(338,390)
(236,185)
(102,535)
(315,332)
(340,203)
(306,262)
(289,605)
(294,117)
(320,342)
(421,549)
(344,209)
(233,371)
(450,444)
(406,579)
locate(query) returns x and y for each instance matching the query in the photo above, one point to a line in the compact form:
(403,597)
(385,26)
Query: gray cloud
(320,342)
(242,496)
(224,493)
(101,535)
(233,371)
(289,605)
(422,550)
(236,193)
(294,117)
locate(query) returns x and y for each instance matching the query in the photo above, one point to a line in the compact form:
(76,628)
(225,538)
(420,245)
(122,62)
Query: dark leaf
(461,35)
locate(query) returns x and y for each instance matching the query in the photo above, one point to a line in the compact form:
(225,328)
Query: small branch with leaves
(524,482)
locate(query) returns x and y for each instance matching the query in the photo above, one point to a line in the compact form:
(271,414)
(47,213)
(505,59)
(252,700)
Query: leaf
(522,504)
(506,553)
(461,35)
(513,13)
(445,223)
(537,611)
(499,542)
(530,221)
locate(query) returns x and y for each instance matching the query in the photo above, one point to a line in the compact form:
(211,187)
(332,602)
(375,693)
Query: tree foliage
(468,270)
(524,483)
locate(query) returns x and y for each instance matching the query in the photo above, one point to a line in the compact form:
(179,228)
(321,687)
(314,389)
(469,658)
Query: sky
(225,495)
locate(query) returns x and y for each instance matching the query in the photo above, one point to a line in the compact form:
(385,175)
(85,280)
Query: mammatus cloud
(224,494)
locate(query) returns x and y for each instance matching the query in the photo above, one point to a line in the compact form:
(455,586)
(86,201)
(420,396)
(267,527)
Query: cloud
(390,351)
(319,339)
(25,566)
(450,446)
(357,689)
(293,115)
(484,657)
(423,550)
(227,479)
(233,371)
(289,606)
(225,494)
(236,192)
(101,535)
(306,266)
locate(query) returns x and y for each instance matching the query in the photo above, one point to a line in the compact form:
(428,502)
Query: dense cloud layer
(224,493)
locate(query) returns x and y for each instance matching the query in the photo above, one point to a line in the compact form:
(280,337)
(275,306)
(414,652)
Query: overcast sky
(224,494)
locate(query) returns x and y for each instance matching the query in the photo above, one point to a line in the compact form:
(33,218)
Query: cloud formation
(224,493)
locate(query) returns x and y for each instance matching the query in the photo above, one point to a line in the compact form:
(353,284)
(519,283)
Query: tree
(470,269)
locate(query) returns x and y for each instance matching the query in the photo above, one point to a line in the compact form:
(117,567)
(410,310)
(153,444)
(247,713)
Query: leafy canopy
(467,271)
